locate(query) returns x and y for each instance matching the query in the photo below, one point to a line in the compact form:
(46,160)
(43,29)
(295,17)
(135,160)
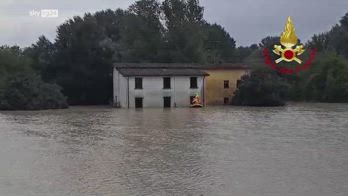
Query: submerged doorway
(167,102)
(138,102)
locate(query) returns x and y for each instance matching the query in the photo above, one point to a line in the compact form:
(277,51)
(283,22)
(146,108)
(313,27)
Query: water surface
(300,149)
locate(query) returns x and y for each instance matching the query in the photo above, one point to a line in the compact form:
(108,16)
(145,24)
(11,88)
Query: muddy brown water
(297,150)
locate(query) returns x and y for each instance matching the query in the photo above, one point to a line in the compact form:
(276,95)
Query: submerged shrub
(261,88)
(26,91)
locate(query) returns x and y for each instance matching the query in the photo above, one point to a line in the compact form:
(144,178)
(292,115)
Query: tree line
(77,66)
(325,81)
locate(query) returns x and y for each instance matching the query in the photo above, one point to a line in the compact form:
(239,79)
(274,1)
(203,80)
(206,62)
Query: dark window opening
(193,82)
(238,83)
(167,102)
(226,100)
(138,102)
(138,83)
(226,84)
(166,83)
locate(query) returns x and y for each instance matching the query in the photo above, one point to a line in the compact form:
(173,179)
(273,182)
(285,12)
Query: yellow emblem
(288,40)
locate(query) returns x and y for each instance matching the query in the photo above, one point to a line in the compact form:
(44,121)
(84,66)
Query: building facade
(223,80)
(157,85)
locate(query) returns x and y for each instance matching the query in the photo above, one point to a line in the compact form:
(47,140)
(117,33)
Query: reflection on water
(301,149)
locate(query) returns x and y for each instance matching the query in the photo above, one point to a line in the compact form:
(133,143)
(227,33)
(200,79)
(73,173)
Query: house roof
(226,66)
(161,72)
(181,66)
(171,69)
(158,65)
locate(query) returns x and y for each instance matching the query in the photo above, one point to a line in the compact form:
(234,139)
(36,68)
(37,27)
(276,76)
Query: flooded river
(297,150)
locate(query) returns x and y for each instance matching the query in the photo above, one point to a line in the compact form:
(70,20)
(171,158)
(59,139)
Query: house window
(138,83)
(193,82)
(138,102)
(226,84)
(166,83)
(238,83)
(226,100)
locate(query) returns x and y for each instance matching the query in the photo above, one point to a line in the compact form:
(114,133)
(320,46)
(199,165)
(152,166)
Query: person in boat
(196,100)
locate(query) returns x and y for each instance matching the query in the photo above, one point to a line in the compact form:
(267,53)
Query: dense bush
(261,88)
(26,91)
(326,81)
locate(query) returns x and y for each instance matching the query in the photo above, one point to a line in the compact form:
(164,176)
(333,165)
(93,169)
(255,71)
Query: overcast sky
(248,21)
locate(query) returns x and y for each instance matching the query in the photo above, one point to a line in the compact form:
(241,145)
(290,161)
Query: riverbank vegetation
(79,62)
(21,88)
(325,81)
(26,91)
(261,88)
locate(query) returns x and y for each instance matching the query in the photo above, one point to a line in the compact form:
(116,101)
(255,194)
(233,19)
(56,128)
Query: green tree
(41,53)
(142,32)
(334,40)
(242,52)
(261,88)
(269,42)
(83,64)
(319,42)
(219,45)
(184,32)
(327,81)
(26,91)
(12,61)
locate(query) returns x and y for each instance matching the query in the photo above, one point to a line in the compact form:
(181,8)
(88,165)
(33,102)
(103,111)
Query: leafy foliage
(261,88)
(326,81)
(12,61)
(28,92)
(335,40)
(219,45)
(82,64)
(20,88)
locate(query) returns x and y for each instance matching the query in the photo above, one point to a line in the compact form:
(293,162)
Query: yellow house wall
(214,86)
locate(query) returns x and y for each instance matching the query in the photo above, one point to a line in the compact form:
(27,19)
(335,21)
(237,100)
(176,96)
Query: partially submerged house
(138,85)
(223,80)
